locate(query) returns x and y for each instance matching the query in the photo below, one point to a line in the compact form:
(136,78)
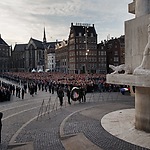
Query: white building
(51,64)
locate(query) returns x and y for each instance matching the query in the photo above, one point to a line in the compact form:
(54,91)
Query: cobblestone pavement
(20,124)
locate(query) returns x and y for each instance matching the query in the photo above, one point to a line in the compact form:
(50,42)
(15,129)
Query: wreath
(75,94)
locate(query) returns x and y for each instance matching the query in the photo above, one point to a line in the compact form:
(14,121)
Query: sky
(22,19)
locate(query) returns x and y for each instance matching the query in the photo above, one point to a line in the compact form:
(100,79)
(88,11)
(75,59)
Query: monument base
(142,109)
(142,96)
(127,79)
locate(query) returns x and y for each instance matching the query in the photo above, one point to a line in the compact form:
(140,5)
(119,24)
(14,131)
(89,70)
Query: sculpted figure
(117,68)
(143,68)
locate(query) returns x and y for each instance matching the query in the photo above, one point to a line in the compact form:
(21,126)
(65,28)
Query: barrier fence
(53,105)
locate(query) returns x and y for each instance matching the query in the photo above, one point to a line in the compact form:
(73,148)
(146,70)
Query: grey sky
(22,19)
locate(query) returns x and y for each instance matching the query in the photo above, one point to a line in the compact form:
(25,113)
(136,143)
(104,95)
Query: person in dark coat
(19,91)
(13,89)
(50,87)
(68,95)
(22,93)
(25,87)
(53,88)
(83,94)
(60,94)
(1,115)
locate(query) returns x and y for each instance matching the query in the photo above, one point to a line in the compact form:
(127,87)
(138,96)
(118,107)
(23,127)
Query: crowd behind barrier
(47,81)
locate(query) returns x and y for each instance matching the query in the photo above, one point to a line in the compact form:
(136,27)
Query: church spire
(44,38)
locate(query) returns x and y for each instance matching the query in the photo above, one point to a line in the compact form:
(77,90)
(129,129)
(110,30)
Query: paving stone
(44,133)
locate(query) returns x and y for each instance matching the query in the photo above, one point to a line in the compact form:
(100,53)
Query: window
(102,59)
(116,59)
(80,34)
(116,64)
(77,46)
(110,46)
(116,53)
(102,53)
(122,45)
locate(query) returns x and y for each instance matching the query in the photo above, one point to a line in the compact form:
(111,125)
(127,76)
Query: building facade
(115,51)
(82,54)
(35,55)
(102,57)
(82,49)
(61,53)
(18,58)
(5,53)
(79,54)
(50,63)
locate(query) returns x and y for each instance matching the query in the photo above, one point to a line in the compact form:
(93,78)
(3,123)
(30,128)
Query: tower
(44,38)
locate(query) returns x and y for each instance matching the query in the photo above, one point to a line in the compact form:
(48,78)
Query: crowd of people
(91,81)
(51,82)
(5,91)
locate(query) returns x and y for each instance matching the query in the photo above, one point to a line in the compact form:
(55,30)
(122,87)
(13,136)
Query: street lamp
(86,54)
(86,49)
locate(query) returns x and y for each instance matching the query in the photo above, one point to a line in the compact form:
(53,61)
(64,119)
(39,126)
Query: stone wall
(136,38)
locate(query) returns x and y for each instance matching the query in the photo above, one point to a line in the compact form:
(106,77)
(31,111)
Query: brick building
(102,57)
(115,49)
(61,56)
(82,54)
(79,54)
(82,48)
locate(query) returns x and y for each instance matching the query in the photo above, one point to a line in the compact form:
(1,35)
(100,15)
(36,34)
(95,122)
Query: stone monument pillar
(142,7)
(142,94)
(137,58)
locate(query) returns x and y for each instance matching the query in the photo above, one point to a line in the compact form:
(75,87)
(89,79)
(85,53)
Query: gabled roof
(36,44)
(51,44)
(2,42)
(39,44)
(20,47)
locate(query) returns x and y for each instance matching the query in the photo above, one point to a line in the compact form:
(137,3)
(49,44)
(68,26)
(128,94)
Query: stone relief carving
(143,68)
